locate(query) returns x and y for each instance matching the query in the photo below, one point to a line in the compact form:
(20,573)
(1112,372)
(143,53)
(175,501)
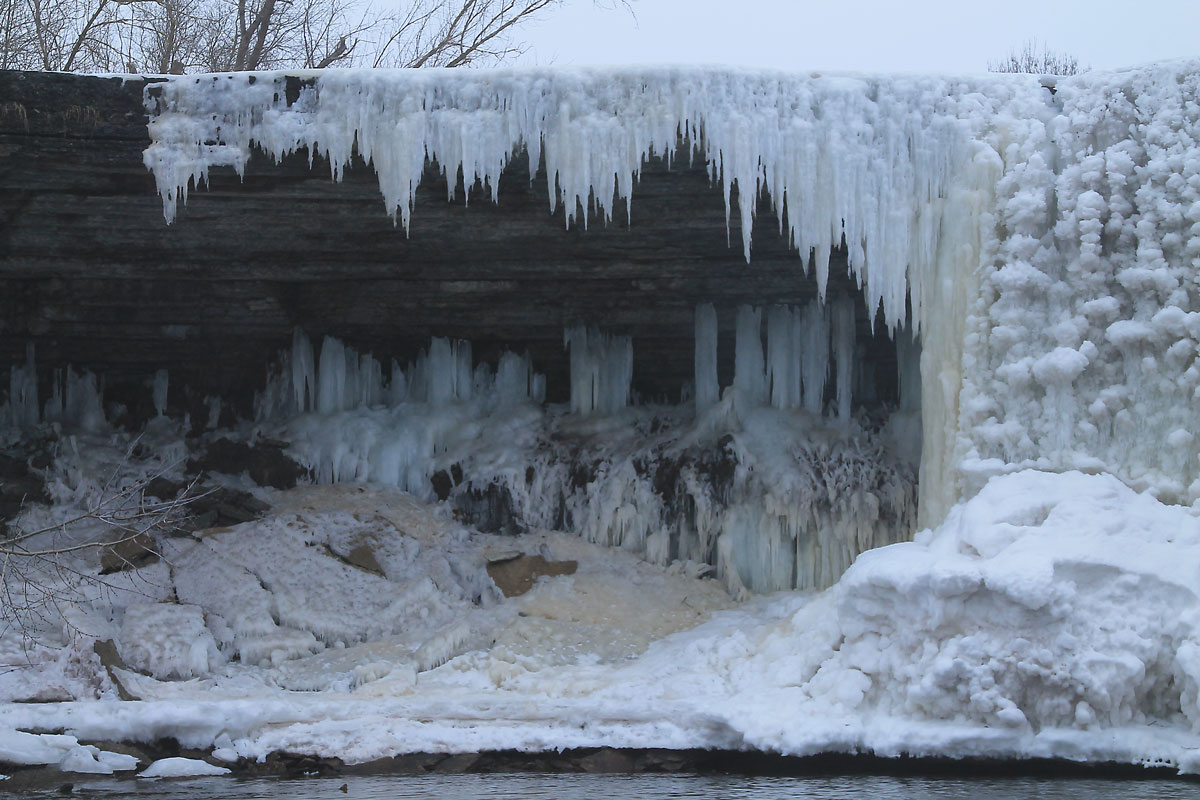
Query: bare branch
(1037,59)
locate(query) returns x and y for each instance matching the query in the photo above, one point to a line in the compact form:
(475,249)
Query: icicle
(159,391)
(443,371)
(370,381)
(601,370)
(707,389)
(304,373)
(812,322)
(214,412)
(23,392)
(843,343)
(82,403)
(352,385)
(449,370)
(53,410)
(398,386)
(331,377)
(855,157)
(513,380)
(748,375)
(464,373)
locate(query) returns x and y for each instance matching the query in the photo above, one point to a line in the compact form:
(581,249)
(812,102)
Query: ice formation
(1031,246)
(786,501)
(864,159)
(902,172)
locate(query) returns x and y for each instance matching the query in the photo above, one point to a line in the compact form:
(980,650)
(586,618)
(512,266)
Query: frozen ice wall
(889,168)
(1084,330)
(1035,237)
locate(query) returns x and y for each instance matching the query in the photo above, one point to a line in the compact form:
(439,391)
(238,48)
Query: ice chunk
(182,768)
(167,640)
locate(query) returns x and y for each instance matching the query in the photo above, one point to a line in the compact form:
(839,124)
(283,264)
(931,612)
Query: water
(627,787)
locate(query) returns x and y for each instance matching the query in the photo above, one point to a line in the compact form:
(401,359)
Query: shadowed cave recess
(636,380)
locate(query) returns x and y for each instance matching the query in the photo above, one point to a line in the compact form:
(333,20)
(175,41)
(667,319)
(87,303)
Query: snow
(181,768)
(1053,615)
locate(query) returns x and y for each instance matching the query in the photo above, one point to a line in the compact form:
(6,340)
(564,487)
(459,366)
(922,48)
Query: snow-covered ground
(1054,615)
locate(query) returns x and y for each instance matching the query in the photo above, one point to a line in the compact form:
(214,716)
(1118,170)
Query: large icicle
(864,159)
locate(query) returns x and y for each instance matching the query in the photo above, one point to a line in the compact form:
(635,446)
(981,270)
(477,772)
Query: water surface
(526,786)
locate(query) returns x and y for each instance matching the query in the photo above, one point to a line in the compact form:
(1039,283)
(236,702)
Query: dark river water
(627,787)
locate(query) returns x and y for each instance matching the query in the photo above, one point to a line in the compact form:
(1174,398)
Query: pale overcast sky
(862,35)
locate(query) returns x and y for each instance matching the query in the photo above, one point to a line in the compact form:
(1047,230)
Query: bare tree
(434,34)
(228,35)
(1037,59)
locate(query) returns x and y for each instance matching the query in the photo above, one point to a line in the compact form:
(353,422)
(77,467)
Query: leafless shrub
(1037,59)
(41,576)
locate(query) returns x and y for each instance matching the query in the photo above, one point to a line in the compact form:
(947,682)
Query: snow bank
(1048,601)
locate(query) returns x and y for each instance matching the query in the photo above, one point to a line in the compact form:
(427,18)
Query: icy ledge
(1054,615)
(871,159)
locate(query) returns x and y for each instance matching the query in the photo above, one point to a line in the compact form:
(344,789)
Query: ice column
(908,369)
(331,377)
(514,380)
(76,399)
(304,373)
(398,387)
(159,389)
(370,373)
(449,375)
(707,388)
(843,343)
(23,392)
(601,370)
(812,323)
(783,367)
(748,375)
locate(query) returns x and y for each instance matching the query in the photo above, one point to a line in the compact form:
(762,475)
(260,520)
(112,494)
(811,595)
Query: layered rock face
(92,275)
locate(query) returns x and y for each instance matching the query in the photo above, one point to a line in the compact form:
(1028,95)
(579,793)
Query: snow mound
(181,768)
(1049,600)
